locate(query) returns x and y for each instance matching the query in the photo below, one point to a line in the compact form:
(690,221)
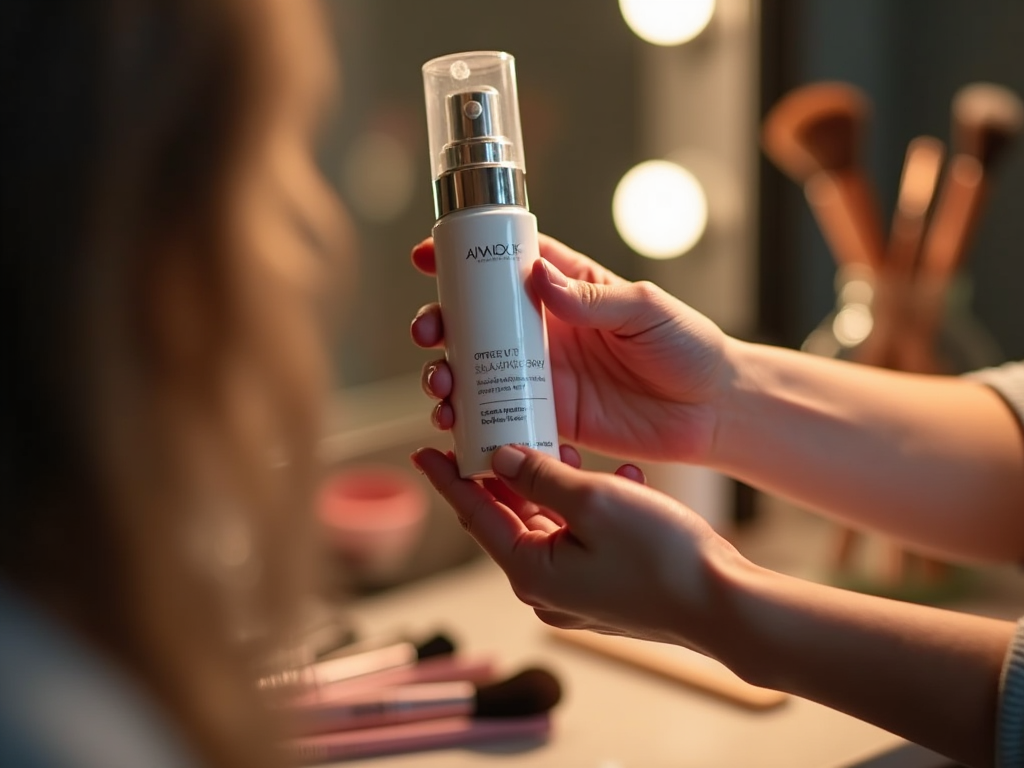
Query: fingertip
(632,472)
(552,274)
(570,456)
(507,461)
(552,288)
(541,478)
(442,417)
(423,257)
(494,526)
(442,383)
(436,379)
(416,326)
(427,327)
(426,379)
(414,457)
(432,463)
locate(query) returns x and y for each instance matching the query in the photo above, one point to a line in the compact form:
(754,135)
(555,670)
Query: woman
(162,227)
(938,461)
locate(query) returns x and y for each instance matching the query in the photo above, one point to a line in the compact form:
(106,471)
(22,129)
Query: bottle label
(495,335)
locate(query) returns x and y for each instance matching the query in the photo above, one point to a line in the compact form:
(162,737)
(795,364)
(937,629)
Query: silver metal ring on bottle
(475,185)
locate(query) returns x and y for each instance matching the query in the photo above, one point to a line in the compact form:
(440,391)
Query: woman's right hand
(635,371)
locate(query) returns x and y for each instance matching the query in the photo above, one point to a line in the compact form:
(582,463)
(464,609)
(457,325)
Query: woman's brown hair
(162,230)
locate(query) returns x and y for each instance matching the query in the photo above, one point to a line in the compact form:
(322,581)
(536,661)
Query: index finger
(423,257)
(575,264)
(494,526)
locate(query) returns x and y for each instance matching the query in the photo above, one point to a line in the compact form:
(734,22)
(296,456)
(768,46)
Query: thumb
(622,308)
(546,481)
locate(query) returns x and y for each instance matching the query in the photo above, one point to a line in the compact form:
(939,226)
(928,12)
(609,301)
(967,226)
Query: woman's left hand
(590,550)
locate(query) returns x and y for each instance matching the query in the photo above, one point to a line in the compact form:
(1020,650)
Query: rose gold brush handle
(900,298)
(956,216)
(987,119)
(918,184)
(921,170)
(859,199)
(842,206)
(945,249)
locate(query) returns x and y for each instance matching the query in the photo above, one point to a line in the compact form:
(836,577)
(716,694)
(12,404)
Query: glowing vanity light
(667,22)
(660,209)
(853,324)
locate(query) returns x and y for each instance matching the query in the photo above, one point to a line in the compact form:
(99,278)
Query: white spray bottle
(485,240)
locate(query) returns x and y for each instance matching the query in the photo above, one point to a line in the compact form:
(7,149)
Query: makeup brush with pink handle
(447,732)
(430,716)
(530,692)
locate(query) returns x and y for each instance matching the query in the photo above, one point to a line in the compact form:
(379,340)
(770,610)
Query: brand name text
(478,252)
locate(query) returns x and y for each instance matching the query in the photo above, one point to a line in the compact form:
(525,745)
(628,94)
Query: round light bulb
(659,209)
(667,22)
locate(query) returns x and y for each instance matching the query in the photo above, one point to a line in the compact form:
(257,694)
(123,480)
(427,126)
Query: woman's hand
(635,371)
(628,560)
(589,550)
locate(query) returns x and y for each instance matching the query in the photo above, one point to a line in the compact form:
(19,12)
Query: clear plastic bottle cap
(472,111)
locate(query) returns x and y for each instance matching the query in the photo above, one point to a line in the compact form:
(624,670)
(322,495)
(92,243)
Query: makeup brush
(896,297)
(530,692)
(814,134)
(433,670)
(396,655)
(418,736)
(986,120)
(922,167)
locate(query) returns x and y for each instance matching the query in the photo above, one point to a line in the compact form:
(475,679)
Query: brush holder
(919,326)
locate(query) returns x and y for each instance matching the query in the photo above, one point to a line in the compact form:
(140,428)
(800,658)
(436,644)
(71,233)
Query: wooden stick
(676,663)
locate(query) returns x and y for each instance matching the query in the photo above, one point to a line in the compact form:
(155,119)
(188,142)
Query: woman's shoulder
(62,705)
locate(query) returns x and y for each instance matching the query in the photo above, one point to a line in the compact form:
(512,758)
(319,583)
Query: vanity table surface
(611,715)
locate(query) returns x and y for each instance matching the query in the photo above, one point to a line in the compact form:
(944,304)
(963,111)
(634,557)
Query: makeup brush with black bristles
(530,692)
(514,710)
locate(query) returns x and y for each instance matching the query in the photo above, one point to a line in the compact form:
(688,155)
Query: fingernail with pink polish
(555,275)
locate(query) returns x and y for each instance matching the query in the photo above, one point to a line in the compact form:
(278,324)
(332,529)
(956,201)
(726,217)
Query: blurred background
(642,128)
